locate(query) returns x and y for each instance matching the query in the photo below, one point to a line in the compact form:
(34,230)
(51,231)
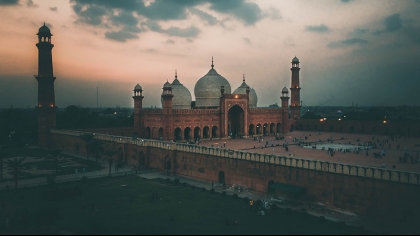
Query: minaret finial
(212,62)
(176,74)
(243,78)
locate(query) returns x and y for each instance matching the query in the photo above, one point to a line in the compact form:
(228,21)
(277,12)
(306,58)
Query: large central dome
(207,89)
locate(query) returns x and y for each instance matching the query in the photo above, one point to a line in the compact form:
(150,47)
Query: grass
(193,211)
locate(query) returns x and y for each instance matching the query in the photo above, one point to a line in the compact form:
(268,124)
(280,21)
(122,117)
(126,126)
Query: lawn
(124,205)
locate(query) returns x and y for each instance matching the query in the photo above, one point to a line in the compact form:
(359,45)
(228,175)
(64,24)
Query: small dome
(44,30)
(182,96)
(167,85)
(138,87)
(252,94)
(285,90)
(295,59)
(207,89)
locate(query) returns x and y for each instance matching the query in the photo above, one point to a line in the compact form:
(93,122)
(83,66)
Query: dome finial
(243,78)
(176,74)
(212,62)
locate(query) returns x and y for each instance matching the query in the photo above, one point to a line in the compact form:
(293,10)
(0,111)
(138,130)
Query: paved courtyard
(391,158)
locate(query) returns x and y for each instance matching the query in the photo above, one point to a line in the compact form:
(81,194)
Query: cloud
(210,19)
(392,23)
(53,9)
(347,42)
(272,13)
(248,12)
(120,36)
(346,1)
(9,2)
(317,28)
(360,31)
(172,31)
(247,40)
(170,41)
(30,3)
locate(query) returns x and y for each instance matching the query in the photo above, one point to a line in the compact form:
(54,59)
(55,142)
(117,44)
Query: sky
(350,51)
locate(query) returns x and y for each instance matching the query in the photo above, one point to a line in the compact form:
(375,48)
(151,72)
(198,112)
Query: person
(251,203)
(212,184)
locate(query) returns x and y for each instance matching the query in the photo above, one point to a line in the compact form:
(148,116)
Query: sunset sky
(361,51)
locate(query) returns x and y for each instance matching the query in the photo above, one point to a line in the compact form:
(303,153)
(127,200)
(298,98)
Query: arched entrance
(177,134)
(161,133)
(148,132)
(251,130)
(270,190)
(265,129)
(206,132)
(187,133)
(259,129)
(272,129)
(221,177)
(197,133)
(278,130)
(291,127)
(236,121)
(214,132)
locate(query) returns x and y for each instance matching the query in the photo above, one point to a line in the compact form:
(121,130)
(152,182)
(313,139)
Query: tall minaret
(295,90)
(46,99)
(138,105)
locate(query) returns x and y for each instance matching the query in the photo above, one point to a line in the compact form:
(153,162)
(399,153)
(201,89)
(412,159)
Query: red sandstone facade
(232,118)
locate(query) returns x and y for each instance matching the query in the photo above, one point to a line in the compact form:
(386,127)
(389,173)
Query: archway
(197,133)
(270,190)
(278,130)
(300,126)
(167,163)
(251,130)
(315,127)
(187,133)
(177,134)
(272,131)
(236,121)
(161,133)
(259,129)
(331,128)
(221,177)
(308,127)
(214,132)
(148,132)
(292,127)
(265,129)
(206,132)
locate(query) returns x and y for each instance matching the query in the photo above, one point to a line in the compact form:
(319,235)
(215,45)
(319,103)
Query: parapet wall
(332,167)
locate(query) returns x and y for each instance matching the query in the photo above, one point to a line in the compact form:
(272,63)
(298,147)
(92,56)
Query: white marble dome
(207,89)
(253,99)
(182,96)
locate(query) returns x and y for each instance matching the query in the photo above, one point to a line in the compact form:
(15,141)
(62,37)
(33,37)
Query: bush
(212,191)
(235,196)
(168,180)
(83,180)
(192,187)
(246,200)
(224,194)
(305,214)
(184,184)
(176,181)
(203,189)
(321,219)
(288,211)
(273,207)
(258,203)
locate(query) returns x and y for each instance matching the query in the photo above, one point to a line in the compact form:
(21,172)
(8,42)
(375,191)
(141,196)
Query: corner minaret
(167,96)
(46,98)
(138,105)
(295,90)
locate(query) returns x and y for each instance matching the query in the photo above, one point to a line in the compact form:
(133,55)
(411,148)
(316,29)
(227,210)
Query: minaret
(167,96)
(46,99)
(138,105)
(295,90)
(284,109)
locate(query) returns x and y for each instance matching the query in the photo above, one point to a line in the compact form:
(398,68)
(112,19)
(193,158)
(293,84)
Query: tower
(46,98)
(138,105)
(295,90)
(284,109)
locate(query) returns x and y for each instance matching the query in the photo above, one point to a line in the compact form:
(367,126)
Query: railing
(338,168)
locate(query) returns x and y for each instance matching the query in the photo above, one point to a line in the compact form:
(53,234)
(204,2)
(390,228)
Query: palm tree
(96,147)
(87,137)
(4,153)
(109,155)
(55,153)
(15,164)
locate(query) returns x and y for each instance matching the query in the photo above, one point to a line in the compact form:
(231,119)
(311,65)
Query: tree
(87,137)
(15,164)
(4,153)
(96,147)
(55,153)
(109,155)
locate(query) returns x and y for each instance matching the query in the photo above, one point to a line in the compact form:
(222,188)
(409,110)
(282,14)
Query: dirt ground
(410,144)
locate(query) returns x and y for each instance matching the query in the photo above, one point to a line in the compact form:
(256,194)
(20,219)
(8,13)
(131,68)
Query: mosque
(217,112)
